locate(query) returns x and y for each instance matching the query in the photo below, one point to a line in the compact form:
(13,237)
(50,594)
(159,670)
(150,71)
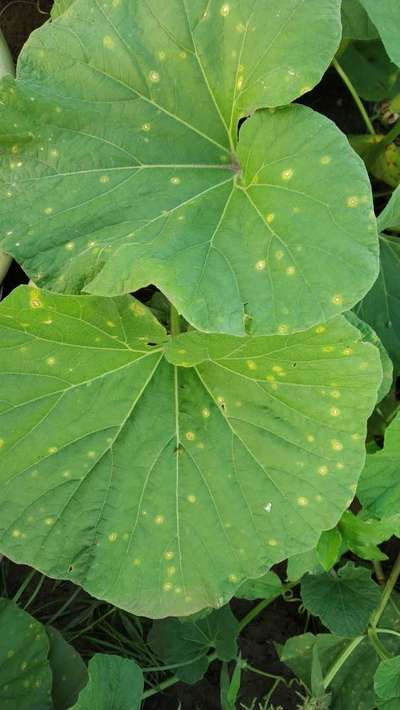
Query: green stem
(341,660)
(386,594)
(171,681)
(6,67)
(379,573)
(175,324)
(378,646)
(64,606)
(17,596)
(392,632)
(258,608)
(355,96)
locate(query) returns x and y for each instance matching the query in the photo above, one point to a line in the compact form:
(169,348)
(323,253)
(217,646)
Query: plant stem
(174,321)
(171,681)
(17,596)
(379,573)
(392,632)
(341,660)
(6,67)
(355,96)
(378,646)
(386,594)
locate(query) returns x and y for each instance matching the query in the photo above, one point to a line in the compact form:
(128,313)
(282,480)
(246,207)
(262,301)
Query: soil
(282,619)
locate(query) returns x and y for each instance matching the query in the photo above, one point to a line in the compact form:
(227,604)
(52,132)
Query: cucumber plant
(211,320)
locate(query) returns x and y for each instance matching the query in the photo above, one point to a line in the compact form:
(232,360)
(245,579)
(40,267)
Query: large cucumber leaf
(25,676)
(161,473)
(122,164)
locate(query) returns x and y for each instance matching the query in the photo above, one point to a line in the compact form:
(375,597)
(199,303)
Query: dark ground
(281,619)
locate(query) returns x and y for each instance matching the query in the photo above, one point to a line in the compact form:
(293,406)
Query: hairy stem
(175,325)
(386,594)
(355,96)
(341,660)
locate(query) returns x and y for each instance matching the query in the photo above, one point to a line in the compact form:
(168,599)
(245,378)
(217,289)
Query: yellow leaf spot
(279,255)
(270,217)
(233,578)
(113,536)
(136,562)
(146,127)
(335,394)
(162,56)
(328,349)
(154,77)
(323,470)
(302,501)
(49,521)
(353,201)
(48,210)
(272,542)
(16,533)
(175,181)
(171,571)
(182,55)
(137,309)
(310,438)
(225,10)
(251,364)
(337,299)
(325,160)
(339,465)
(336,445)
(347,351)
(287,174)
(108,42)
(334,412)
(283,329)
(205,413)
(277,368)
(51,361)
(260,265)
(190,435)
(356,437)
(2,442)
(167,587)
(54,153)
(320,329)
(290,270)
(168,555)
(91,454)
(240,27)
(69,246)
(104,179)
(159,519)
(192,499)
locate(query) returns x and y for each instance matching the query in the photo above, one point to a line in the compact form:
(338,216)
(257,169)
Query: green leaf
(179,642)
(25,677)
(344,600)
(68,670)
(381,306)
(59,7)
(356,22)
(328,548)
(372,73)
(162,488)
(389,218)
(135,174)
(268,586)
(299,565)
(369,336)
(363,535)
(114,684)
(387,679)
(385,14)
(379,486)
(385,165)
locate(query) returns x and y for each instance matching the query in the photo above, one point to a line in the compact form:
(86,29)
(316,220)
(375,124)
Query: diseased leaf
(344,600)
(179,642)
(163,488)
(59,7)
(384,165)
(385,14)
(114,684)
(356,22)
(68,670)
(25,677)
(372,73)
(299,565)
(379,486)
(126,169)
(369,336)
(269,586)
(387,679)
